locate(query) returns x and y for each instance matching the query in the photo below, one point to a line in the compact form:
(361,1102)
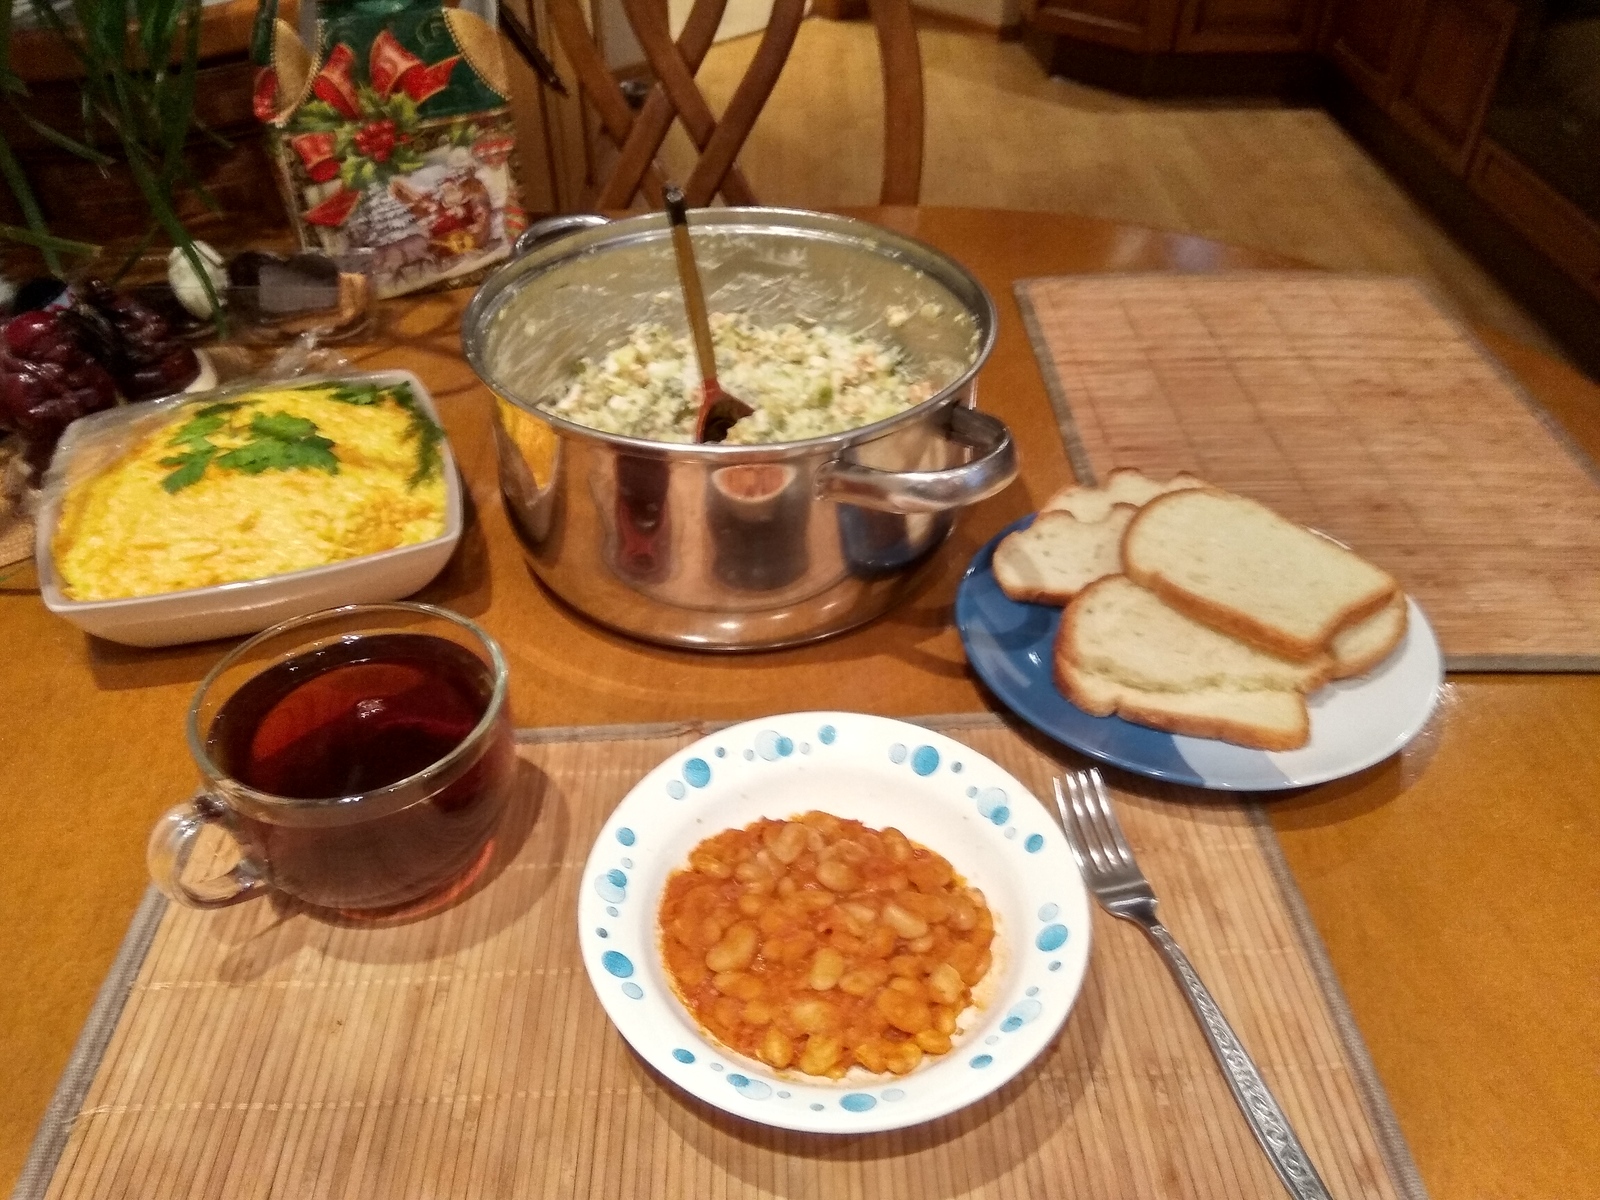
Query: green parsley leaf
(428,435)
(282,426)
(362,394)
(191,466)
(281,442)
(195,432)
(424,430)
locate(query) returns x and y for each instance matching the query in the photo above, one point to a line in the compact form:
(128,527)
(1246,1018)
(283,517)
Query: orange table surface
(1452,887)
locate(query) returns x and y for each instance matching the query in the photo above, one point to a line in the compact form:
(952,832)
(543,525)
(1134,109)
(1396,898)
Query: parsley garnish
(194,438)
(362,394)
(423,428)
(191,464)
(284,442)
(274,442)
(281,442)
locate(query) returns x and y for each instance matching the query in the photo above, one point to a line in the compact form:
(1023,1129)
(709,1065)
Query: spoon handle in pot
(689,276)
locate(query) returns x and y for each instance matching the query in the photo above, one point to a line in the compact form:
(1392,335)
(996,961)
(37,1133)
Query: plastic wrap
(284,541)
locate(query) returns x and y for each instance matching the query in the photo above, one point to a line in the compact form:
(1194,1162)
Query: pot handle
(992,468)
(551,228)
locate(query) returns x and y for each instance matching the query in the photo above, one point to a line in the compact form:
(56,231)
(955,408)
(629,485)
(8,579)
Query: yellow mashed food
(258,484)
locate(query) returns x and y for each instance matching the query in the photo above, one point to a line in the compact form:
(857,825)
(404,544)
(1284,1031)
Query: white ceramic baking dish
(249,606)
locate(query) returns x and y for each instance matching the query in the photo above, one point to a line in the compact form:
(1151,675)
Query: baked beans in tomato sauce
(819,944)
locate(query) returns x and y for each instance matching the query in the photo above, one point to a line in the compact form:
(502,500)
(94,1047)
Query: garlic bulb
(186,283)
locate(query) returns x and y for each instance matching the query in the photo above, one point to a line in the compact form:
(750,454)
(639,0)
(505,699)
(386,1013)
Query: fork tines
(1090,823)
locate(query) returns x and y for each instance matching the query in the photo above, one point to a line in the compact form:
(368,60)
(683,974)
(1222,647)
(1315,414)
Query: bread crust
(1058,597)
(1128,707)
(1232,621)
(1351,667)
(1062,496)
(1066,638)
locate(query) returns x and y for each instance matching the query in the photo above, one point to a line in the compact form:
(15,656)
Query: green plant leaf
(38,235)
(135,253)
(178,106)
(140,64)
(55,136)
(47,242)
(10,81)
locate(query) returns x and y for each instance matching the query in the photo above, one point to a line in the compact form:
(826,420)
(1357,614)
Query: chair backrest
(638,135)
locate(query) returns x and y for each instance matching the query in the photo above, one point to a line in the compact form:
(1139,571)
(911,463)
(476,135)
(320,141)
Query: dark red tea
(344,720)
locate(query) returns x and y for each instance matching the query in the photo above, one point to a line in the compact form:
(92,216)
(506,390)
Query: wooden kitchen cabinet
(1142,25)
(1431,65)
(1247,26)
(1447,76)
(1366,40)
(1184,26)
(1541,214)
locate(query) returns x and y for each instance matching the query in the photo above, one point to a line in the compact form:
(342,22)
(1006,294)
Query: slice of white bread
(1119,630)
(1239,567)
(1261,720)
(1058,556)
(1125,485)
(1357,648)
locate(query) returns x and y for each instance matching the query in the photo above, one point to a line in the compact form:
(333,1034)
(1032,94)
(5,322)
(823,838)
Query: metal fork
(1119,885)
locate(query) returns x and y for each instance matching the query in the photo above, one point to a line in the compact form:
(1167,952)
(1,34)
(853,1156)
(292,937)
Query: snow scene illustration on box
(399,141)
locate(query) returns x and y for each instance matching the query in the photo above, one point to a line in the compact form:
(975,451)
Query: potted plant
(138,62)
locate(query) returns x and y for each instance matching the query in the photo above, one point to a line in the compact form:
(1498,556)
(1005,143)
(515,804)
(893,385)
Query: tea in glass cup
(361,758)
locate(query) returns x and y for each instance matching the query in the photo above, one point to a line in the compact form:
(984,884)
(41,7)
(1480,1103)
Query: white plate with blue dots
(881,772)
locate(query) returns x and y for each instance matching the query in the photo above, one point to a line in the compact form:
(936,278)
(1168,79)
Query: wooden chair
(638,135)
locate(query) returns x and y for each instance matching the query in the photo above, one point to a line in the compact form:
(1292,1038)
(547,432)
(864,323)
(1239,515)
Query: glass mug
(360,758)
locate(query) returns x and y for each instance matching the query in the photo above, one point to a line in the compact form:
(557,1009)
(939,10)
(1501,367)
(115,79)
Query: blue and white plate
(1354,723)
(880,772)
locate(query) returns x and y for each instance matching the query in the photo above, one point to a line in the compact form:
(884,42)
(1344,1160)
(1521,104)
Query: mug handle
(992,468)
(171,843)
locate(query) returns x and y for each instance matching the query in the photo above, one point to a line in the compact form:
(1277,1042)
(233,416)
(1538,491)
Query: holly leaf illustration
(317,116)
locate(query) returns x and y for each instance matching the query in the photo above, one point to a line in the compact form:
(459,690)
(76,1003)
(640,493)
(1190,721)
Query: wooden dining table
(1454,897)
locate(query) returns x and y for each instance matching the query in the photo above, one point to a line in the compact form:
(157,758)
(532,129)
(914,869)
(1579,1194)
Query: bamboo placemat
(260,1052)
(1355,405)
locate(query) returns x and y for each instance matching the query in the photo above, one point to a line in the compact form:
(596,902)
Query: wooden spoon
(718,410)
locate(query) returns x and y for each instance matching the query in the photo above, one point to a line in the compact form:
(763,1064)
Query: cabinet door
(1448,77)
(1248,26)
(1366,40)
(1541,214)
(1145,25)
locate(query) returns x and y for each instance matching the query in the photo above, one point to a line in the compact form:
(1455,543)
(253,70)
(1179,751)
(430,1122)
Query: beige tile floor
(1001,133)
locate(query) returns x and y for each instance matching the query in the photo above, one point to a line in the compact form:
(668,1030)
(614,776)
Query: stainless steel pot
(725,547)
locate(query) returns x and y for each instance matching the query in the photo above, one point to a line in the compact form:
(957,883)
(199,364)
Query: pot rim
(945,270)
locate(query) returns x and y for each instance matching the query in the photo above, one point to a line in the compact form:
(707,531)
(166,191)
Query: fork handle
(1260,1108)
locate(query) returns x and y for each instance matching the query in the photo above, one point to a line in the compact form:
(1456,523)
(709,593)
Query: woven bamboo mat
(1355,405)
(262,1053)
